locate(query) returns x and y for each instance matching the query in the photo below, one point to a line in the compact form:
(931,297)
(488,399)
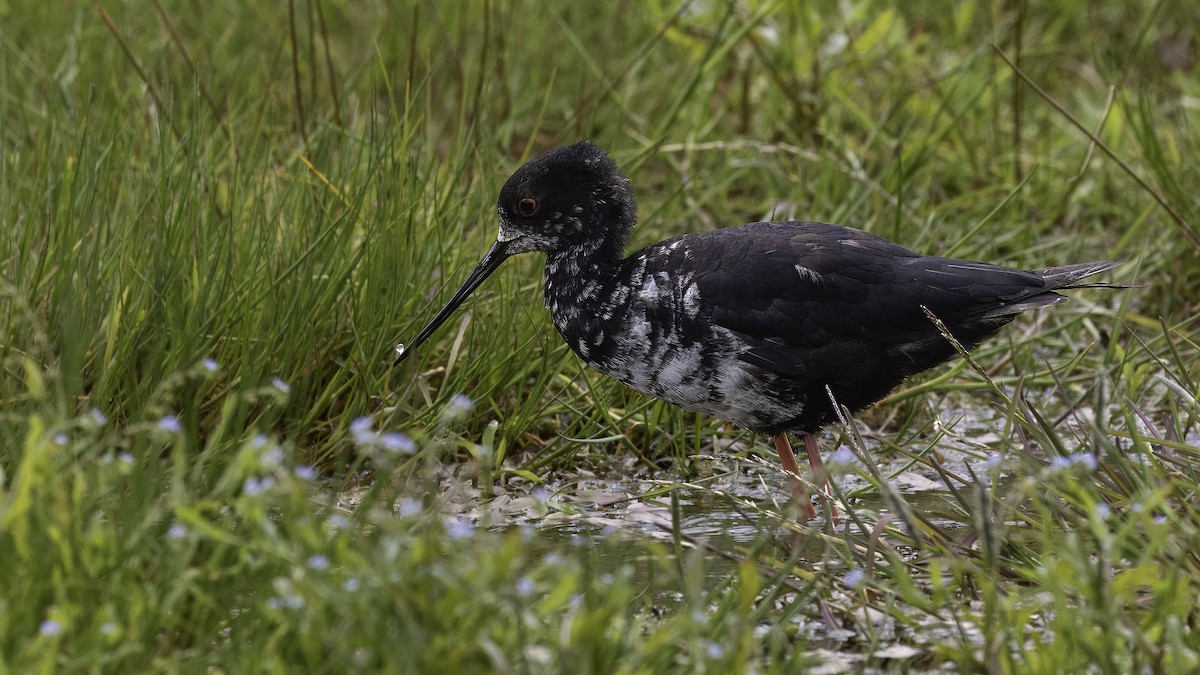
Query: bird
(765,325)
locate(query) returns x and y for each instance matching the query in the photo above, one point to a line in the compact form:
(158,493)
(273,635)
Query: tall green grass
(218,221)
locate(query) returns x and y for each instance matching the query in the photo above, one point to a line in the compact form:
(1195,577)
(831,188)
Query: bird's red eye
(527,206)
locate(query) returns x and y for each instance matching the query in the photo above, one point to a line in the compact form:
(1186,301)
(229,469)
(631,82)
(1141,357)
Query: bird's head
(569,198)
(566,197)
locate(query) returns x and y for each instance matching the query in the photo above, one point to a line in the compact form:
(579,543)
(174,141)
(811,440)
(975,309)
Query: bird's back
(751,323)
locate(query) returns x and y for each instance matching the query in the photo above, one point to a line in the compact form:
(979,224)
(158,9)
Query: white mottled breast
(686,360)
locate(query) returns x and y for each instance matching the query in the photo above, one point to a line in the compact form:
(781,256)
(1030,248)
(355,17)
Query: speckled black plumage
(749,323)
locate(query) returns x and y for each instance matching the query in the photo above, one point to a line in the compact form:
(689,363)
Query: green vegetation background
(220,217)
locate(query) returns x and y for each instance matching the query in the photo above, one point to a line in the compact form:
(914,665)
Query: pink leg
(814,461)
(788,459)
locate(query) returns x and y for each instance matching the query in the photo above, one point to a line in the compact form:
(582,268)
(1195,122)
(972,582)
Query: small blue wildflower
(854,578)
(993,460)
(606,579)
(318,562)
(177,531)
(108,628)
(698,616)
(459,406)
(1137,507)
(210,365)
(293,602)
(525,587)
(274,603)
(360,424)
(1160,519)
(541,494)
(350,585)
(361,431)
(125,458)
(256,486)
(1060,463)
(61,438)
(1103,511)
(409,507)
(271,457)
(843,456)
(305,472)
(259,441)
(398,442)
(50,628)
(458,528)
(99,418)
(283,387)
(1087,459)
(169,424)
(337,521)
(714,650)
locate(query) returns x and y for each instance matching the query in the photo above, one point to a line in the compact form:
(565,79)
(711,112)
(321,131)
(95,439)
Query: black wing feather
(825,298)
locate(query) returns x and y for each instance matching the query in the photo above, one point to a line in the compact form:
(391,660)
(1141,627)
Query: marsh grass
(219,221)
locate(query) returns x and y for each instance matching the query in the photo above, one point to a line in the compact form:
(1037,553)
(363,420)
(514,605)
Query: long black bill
(497,254)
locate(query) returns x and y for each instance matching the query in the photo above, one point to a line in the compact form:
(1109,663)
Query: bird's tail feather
(1067,275)
(1057,279)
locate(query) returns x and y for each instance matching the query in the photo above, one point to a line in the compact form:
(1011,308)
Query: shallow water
(729,501)
(731,505)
